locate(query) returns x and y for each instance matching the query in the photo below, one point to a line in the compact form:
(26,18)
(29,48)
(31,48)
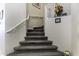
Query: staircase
(36,44)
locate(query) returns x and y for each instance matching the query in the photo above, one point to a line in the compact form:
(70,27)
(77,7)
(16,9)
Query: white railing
(17,24)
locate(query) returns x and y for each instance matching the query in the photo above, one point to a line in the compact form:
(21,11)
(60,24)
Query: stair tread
(54,53)
(36,32)
(34,29)
(36,47)
(36,36)
(35,41)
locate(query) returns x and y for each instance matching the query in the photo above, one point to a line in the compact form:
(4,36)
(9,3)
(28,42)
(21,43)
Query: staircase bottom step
(35,48)
(54,53)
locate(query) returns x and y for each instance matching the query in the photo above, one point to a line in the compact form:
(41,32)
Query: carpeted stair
(36,44)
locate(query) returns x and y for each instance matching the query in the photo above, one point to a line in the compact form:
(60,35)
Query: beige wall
(35,22)
(33,11)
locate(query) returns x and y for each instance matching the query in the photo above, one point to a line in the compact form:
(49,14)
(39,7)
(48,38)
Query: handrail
(17,25)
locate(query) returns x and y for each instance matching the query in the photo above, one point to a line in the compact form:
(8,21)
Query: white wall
(75,29)
(15,12)
(2,31)
(66,36)
(59,33)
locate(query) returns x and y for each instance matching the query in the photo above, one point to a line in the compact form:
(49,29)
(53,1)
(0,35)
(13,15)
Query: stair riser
(36,44)
(35,50)
(35,38)
(38,27)
(35,34)
(35,30)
